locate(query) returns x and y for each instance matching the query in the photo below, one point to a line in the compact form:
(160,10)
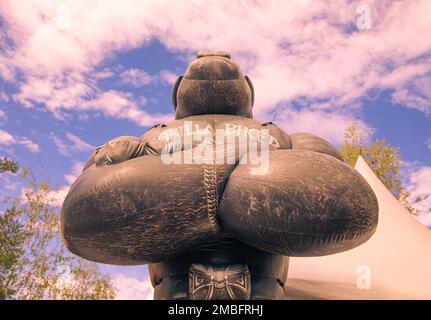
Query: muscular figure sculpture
(214,229)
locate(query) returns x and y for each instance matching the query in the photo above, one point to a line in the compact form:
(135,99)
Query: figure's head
(213,84)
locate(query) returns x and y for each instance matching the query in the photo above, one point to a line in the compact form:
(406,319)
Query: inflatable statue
(216,202)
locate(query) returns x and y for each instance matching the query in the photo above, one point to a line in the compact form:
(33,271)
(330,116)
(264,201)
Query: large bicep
(306,141)
(90,161)
(117,150)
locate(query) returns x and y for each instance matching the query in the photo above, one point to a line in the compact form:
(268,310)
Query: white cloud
(139,78)
(62,147)
(8,139)
(4,97)
(415,94)
(428,143)
(168,77)
(121,105)
(57,48)
(420,180)
(75,172)
(30,145)
(136,77)
(9,182)
(74,144)
(8,185)
(74,94)
(77,143)
(59,195)
(419,185)
(305,49)
(328,125)
(129,288)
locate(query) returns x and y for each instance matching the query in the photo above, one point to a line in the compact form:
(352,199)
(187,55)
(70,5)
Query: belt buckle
(219,282)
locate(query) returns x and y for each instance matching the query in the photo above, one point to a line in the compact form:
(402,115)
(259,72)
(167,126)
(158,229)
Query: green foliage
(34,263)
(11,241)
(382,158)
(8,165)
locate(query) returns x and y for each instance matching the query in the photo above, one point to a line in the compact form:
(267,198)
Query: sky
(76,74)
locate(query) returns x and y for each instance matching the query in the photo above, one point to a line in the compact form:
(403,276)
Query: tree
(34,263)
(8,165)
(11,241)
(382,158)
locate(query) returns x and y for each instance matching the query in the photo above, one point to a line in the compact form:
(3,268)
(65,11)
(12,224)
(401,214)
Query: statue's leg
(227,271)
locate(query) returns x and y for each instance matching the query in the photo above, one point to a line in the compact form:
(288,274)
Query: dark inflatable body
(215,201)
(142,210)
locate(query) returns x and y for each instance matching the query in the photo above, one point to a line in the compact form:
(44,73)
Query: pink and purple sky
(75,74)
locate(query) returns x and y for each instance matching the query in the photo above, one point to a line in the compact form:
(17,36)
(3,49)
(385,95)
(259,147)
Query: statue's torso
(206,267)
(231,125)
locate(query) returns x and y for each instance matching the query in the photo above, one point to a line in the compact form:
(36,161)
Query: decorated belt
(223,282)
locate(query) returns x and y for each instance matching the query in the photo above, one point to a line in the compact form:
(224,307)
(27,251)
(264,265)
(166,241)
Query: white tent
(394,264)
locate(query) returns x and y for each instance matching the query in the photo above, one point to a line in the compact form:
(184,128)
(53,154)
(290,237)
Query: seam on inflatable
(210,185)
